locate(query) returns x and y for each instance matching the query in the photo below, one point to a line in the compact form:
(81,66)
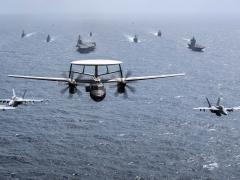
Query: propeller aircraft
(95,84)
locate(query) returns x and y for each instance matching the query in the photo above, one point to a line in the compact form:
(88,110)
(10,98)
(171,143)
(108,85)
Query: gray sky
(130,7)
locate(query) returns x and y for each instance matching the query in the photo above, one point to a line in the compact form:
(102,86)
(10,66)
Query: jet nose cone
(225,112)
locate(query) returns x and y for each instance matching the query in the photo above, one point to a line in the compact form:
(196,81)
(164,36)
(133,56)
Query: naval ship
(48,38)
(23,34)
(135,39)
(194,46)
(85,47)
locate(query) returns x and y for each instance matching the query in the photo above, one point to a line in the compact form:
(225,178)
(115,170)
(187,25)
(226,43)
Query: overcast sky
(130,7)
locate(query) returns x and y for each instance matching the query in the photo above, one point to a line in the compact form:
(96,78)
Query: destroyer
(23,34)
(135,39)
(48,38)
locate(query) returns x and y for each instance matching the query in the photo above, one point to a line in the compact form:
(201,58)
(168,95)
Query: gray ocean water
(154,134)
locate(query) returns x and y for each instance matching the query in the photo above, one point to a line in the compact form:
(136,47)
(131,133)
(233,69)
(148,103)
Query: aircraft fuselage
(97,91)
(221,111)
(14,103)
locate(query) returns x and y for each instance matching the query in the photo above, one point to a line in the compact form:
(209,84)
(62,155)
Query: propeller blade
(113,85)
(116,93)
(79,93)
(122,86)
(70,96)
(131,88)
(125,95)
(79,78)
(65,74)
(63,91)
(129,73)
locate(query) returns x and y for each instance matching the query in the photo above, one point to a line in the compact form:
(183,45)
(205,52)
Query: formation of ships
(86,47)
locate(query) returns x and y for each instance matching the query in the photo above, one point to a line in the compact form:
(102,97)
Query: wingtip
(180,74)
(11,75)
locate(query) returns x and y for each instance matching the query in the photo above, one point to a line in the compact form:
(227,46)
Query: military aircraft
(95,84)
(15,101)
(218,109)
(3,107)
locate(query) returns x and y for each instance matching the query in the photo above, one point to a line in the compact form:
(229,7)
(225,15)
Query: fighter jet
(15,101)
(219,110)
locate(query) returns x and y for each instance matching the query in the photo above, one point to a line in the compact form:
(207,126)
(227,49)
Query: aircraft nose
(10,103)
(225,112)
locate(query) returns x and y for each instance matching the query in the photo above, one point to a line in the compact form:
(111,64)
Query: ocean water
(154,134)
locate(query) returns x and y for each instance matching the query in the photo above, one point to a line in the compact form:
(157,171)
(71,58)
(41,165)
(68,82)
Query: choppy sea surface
(154,134)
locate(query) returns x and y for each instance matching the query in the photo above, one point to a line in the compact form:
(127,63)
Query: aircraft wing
(6,108)
(5,100)
(41,78)
(206,108)
(30,100)
(145,77)
(233,109)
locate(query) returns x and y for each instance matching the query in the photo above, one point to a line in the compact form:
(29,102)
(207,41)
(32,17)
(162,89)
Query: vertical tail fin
(209,104)
(218,101)
(24,93)
(14,94)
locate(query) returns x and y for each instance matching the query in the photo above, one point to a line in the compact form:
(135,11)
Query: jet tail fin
(24,93)
(209,104)
(218,101)
(14,94)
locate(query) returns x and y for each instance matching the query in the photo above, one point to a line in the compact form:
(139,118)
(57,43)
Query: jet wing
(206,108)
(144,77)
(41,78)
(233,109)
(30,100)
(6,108)
(5,100)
